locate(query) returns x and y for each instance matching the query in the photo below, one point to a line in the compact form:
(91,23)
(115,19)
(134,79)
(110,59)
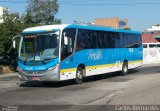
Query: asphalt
(140,87)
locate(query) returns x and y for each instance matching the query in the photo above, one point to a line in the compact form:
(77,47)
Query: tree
(11,27)
(38,12)
(41,12)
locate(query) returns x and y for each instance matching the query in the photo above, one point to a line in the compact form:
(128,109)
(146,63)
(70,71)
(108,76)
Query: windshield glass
(39,47)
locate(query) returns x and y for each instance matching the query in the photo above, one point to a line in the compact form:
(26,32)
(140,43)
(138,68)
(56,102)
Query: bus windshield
(40,47)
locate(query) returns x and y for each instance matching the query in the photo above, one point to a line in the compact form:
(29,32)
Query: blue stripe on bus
(88,57)
(50,64)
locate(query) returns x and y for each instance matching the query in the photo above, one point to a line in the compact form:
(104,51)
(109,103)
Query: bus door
(67,50)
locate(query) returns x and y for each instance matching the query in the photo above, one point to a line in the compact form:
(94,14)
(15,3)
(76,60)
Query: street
(140,87)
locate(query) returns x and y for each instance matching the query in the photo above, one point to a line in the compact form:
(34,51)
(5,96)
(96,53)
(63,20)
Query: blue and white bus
(63,52)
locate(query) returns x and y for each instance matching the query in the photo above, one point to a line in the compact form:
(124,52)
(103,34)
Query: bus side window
(67,44)
(83,40)
(100,40)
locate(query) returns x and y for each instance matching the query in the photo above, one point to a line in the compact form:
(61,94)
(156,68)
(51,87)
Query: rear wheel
(124,68)
(79,75)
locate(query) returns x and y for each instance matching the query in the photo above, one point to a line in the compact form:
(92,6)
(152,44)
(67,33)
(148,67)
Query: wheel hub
(79,74)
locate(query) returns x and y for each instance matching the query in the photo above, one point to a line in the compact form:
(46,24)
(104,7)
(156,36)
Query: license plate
(35,78)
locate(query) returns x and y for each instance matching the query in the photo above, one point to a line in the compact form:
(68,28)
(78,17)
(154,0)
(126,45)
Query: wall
(151,54)
(1,13)
(149,37)
(111,22)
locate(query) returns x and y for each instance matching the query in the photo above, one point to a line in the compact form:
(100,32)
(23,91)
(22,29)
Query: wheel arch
(125,60)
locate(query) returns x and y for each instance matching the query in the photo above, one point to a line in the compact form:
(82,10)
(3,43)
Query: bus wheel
(79,75)
(124,68)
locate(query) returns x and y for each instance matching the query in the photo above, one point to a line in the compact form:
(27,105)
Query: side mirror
(14,41)
(65,39)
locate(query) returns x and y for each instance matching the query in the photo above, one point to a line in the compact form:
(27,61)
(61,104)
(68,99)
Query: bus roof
(44,28)
(47,28)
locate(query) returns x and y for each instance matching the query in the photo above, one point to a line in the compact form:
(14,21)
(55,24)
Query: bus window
(109,41)
(117,40)
(86,40)
(82,39)
(144,45)
(100,40)
(94,40)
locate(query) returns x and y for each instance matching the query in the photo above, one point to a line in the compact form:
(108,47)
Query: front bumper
(47,75)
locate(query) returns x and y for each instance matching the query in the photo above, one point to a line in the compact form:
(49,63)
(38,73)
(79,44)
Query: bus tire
(124,68)
(79,75)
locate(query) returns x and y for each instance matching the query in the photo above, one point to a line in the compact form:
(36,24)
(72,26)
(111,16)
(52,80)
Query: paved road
(141,86)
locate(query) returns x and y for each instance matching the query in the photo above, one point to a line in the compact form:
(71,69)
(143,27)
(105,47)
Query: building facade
(2,10)
(152,34)
(1,13)
(151,45)
(150,37)
(112,22)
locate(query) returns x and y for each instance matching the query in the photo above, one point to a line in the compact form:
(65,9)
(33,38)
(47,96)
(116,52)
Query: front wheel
(124,68)
(79,75)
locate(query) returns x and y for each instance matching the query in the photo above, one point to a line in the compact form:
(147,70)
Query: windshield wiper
(26,59)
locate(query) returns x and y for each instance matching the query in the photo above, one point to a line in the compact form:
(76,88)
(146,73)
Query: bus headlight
(51,68)
(19,69)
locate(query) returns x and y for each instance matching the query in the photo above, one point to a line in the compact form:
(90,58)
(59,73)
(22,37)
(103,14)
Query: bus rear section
(98,51)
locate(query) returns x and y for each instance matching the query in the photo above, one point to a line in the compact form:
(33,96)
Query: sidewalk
(9,74)
(149,65)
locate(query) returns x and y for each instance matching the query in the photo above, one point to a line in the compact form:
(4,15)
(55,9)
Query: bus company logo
(94,55)
(131,50)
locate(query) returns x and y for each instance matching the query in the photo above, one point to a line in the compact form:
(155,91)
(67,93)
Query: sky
(141,14)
